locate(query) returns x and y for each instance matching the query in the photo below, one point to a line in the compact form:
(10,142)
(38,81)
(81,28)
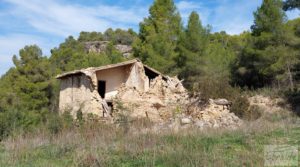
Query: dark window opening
(110,105)
(150,74)
(101,88)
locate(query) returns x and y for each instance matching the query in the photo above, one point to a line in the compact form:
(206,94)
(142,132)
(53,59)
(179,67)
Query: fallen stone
(185,121)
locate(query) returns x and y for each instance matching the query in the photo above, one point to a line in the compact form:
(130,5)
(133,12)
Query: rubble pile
(167,103)
(164,96)
(213,115)
(266,103)
(131,90)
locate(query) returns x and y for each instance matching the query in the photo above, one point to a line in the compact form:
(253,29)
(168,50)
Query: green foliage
(159,36)
(16,120)
(71,54)
(27,86)
(214,64)
(291,4)
(90,36)
(79,116)
(54,123)
(271,55)
(242,109)
(293,97)
(192,48)
(67,119)
(215,147)
(117,36)
(31,88)
(269,18)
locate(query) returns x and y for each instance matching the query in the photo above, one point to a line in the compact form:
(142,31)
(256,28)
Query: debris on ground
(167,104)
(267,104)
(164,95)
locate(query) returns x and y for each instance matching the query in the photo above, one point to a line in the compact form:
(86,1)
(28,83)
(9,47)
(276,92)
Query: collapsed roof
(89,70)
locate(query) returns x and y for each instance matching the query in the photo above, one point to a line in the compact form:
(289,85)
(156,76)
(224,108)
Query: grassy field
(103,145)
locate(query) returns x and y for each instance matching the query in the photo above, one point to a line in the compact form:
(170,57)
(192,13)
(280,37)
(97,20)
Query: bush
(215,88)
(79,116)
(54,124)
(220,88)
(67,119)
(293,98)
(14,119)
(240,106)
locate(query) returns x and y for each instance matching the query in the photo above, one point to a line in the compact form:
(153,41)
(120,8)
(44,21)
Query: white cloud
(231,16)
(54,20)
(186,7)
(64,19)
(11,44)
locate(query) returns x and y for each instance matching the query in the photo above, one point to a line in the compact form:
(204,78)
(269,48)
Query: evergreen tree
(269,18)
(192,46)
(196,34)
(255,64)
(159,36)
(32,81)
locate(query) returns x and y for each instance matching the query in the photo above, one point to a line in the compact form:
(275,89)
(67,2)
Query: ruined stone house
(96,89)
(142,92)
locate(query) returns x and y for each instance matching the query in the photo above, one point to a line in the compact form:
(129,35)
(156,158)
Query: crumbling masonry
(135,90)
(130,84)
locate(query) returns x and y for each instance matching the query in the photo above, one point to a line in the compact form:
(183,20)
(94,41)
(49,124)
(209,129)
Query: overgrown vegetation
(213,65)
(96,144)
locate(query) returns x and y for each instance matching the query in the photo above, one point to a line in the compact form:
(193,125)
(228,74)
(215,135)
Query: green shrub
(79,116)
(293,98)
(54,123)
(241,108)
(215,88)
(14,119)
(67,119)
(220,88)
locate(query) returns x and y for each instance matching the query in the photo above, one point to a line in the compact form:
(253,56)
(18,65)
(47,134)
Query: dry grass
(129,145)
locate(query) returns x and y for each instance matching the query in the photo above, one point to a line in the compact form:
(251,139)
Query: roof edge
(94,69)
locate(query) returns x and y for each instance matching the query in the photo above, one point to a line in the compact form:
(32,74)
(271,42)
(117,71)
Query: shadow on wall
(75,81)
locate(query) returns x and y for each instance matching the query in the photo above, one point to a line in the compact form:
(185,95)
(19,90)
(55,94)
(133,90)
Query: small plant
(54,124)
(67,119)
(119,105)
(79,116)
(176,111)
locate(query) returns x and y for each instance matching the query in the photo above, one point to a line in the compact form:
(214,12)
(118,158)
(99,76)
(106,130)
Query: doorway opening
(101,88)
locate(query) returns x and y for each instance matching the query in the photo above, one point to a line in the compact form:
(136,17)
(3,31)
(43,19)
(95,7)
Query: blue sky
(48,22)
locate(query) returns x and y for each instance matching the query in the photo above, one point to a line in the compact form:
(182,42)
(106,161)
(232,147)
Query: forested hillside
(214,65)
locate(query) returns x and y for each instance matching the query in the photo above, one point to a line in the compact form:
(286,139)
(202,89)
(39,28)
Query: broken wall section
(137,78)
(78,94)
(164,97)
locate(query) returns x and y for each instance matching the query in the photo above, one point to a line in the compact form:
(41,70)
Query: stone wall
(137,78)
(114,78)
(78,94)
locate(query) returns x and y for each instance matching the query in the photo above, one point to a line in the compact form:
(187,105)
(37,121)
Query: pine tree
(268,58)
(192,46)
(159,36)
(196,34)
(32,82)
